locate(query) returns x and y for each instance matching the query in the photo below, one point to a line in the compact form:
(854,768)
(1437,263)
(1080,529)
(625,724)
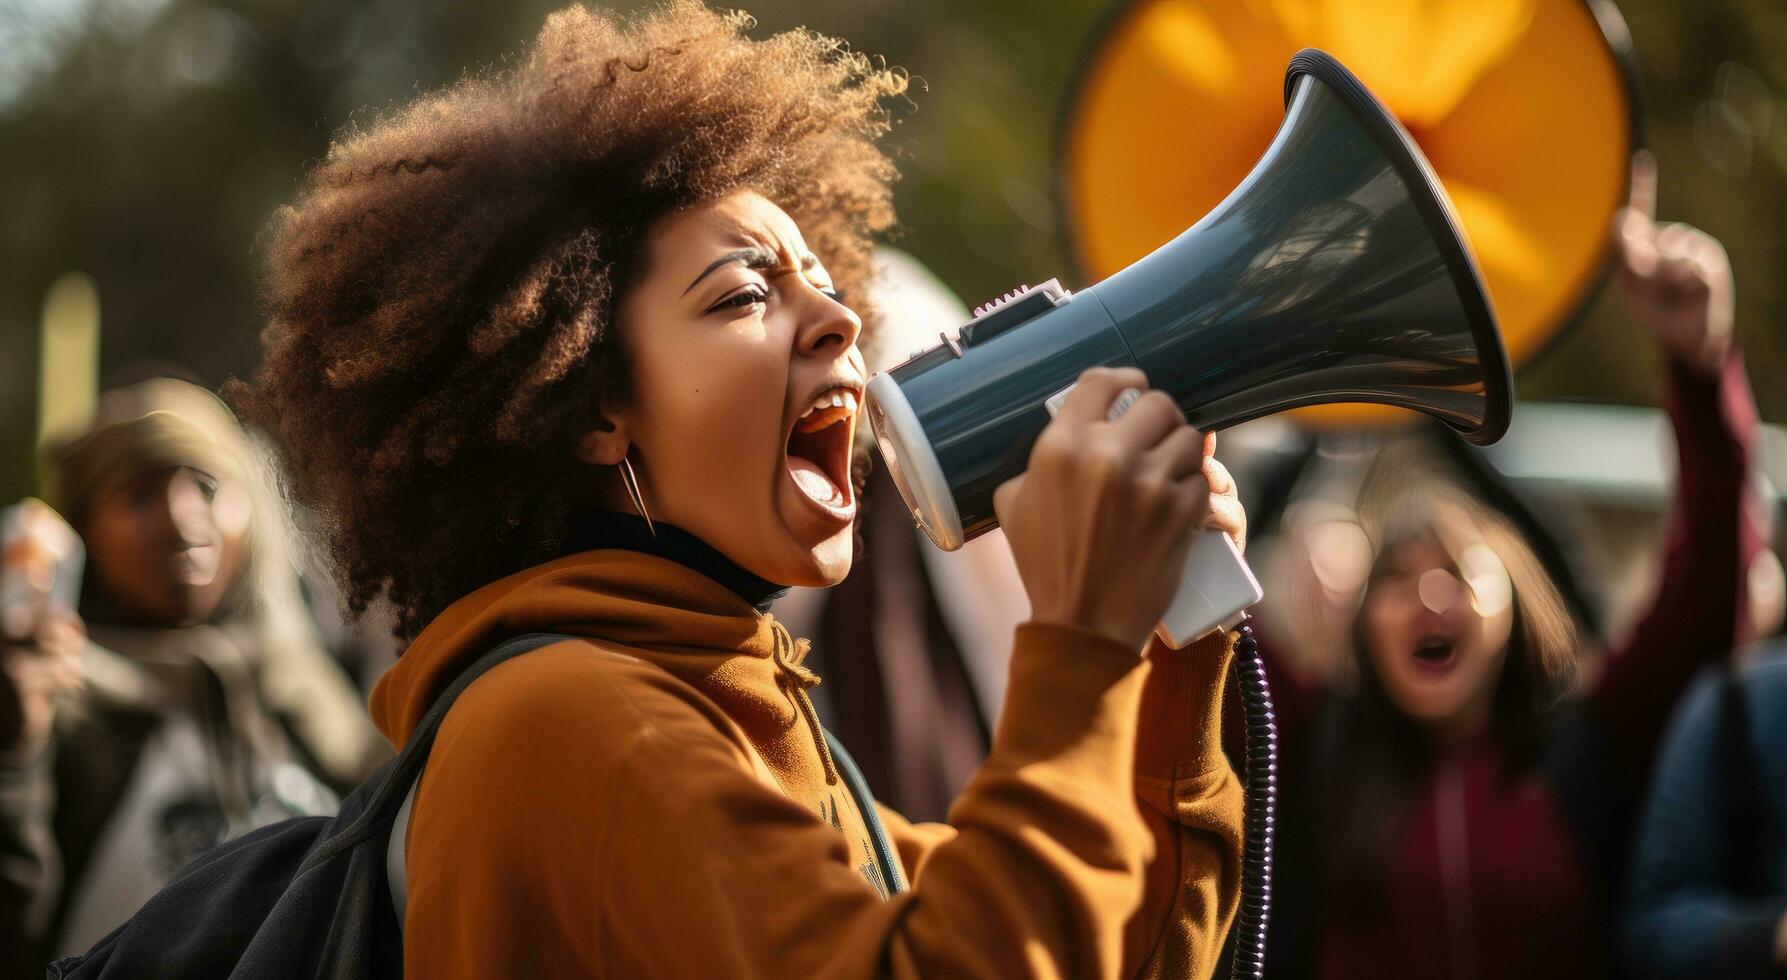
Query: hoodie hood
(643,606)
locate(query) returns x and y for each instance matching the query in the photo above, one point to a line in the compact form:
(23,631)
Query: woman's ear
(604,445)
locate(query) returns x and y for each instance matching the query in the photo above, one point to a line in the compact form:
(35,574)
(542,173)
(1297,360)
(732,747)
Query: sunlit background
(144,143)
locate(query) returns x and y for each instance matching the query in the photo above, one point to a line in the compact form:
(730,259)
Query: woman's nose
(188,510)
(827,326)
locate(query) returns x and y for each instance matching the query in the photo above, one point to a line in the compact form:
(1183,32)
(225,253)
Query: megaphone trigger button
(1125,401)
(1013,308)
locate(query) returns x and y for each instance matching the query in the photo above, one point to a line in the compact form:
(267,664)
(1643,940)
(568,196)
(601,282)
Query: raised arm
(1191,804)
(1184,789)
(1678,283)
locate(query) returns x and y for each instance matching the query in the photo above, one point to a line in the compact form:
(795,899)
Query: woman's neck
(1465,726)
(611,529)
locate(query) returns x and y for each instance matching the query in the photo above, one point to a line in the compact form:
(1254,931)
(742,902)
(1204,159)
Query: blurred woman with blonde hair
(1463,810)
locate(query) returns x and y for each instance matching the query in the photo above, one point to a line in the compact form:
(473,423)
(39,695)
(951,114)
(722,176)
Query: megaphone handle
(1217,586)
(1215,591)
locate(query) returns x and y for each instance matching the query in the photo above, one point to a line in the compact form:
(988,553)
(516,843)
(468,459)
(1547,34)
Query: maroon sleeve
(1700,603)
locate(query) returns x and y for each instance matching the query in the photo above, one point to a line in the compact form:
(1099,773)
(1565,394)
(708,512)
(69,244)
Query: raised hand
(36,672)
(1676,278)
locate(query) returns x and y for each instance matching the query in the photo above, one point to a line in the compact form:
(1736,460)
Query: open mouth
(1435,651)
(819,449)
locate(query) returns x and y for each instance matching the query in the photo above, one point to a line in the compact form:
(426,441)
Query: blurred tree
(147,142)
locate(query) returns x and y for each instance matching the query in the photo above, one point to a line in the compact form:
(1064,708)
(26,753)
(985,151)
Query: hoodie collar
(610,529)
(622,598)
(656,609)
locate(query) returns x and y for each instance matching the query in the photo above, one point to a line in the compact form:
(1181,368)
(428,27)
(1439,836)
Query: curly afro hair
(441,296)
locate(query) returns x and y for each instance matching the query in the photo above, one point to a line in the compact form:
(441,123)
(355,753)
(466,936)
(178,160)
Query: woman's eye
(749,296)
(208,488)
(836,295)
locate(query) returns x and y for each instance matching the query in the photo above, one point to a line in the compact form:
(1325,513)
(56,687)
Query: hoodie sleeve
(1700,603)
(580,817)
(1190,800)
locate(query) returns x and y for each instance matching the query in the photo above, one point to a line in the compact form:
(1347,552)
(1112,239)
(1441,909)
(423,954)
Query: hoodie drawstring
(795,679)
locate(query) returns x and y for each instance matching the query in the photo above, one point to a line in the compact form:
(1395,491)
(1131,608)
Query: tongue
(813,482)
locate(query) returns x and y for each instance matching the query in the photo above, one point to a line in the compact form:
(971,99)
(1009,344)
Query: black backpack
(310,897)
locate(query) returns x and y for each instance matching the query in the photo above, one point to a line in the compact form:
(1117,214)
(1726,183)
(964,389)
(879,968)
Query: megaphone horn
(1335,272)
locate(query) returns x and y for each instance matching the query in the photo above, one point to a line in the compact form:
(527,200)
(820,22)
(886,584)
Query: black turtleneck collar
(610,529)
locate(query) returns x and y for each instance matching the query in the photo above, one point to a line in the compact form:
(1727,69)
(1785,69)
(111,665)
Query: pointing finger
(1644,184)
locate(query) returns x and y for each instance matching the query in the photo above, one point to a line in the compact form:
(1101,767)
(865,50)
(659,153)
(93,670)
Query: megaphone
(1335,272)
(1536,179)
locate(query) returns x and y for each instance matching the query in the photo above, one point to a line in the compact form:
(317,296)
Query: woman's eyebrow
(755,257)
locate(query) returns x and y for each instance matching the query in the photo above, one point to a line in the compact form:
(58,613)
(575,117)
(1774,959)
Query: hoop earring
(630,480)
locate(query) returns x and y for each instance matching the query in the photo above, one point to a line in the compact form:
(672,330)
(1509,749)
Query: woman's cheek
(1385,621)
(231,510)
(725,427)
(1381,635)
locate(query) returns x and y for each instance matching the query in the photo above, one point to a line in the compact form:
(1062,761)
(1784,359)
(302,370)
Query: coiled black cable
(1262,802)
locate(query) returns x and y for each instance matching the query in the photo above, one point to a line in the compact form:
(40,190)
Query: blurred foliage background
(146,142)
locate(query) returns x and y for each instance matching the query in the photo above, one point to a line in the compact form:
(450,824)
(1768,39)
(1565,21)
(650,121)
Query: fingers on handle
(1227,515)
(1222,482)
(1153,418)
(1003,496)
(1097,388)
(1179,456)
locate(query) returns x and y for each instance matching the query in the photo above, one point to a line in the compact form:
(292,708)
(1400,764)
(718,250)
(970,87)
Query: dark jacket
(1708,886)
(170,748)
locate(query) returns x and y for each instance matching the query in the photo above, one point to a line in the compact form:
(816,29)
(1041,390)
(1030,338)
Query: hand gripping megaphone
(1335,272)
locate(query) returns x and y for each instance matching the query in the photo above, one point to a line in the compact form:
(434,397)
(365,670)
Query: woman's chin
(820,542)
(810,560)
(824,562)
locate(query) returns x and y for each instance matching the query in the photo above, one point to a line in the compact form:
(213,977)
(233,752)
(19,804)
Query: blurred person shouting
(189,700)
(1451,818)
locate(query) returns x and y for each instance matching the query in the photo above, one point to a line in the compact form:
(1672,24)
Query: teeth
(835,398)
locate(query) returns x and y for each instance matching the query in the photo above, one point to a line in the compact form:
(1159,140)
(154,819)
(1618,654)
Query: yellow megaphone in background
(1526,109)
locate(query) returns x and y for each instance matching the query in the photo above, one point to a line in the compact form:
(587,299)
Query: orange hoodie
(658,801)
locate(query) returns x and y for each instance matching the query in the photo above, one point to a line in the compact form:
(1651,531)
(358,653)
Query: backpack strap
(399,774)
(408,774)
(891,872)
(397,870)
